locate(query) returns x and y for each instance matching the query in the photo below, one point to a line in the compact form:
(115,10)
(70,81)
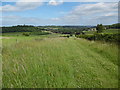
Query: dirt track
(4,37)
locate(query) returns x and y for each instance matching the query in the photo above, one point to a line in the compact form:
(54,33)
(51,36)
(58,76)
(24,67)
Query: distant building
(92,29)
(105,28)
(49,28)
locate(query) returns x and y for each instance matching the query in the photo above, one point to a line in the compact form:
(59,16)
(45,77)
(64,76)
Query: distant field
(112,31)
(50,61)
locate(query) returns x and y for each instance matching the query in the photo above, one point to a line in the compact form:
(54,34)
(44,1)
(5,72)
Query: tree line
(58,29)
(20,29)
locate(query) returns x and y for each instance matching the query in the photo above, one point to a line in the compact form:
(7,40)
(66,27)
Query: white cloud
(55,3)
(111,14)
(21,6)
(30,0)
(15,20)
(67,0)
(84,14)
(86,9)
(9,8)
(56,19)
(92,13)
(22,0)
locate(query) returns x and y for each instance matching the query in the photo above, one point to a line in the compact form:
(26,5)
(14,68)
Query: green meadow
(50,61)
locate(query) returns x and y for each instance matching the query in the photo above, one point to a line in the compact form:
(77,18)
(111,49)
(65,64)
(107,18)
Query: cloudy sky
(58,13)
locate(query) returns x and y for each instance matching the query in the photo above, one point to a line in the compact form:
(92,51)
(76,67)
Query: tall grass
(59,63)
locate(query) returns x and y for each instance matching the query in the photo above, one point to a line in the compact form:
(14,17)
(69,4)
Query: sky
(58,13)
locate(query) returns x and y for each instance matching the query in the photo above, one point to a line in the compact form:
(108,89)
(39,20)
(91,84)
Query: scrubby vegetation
(40,33)
(113,26)
(102,34)
(26,34)
(100,28)
(102,37)
(19,29)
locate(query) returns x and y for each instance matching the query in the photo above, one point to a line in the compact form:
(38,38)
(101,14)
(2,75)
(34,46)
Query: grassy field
(57,62)
(113,31)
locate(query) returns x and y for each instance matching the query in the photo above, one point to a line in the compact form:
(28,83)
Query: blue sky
(46,11)
(58,13)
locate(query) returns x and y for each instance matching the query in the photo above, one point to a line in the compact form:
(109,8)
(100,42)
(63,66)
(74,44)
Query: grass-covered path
(59,63)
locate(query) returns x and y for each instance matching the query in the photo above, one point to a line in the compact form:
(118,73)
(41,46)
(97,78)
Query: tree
(99,28)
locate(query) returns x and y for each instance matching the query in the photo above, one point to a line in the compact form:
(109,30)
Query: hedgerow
(101,36)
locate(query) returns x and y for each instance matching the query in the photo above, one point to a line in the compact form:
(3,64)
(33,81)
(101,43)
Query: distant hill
(113,26)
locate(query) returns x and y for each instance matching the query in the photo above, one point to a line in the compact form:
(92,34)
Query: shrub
(26,34)
(71,35)
(65,36)
(99,28)
(103,37)
(40,33)
(68,36)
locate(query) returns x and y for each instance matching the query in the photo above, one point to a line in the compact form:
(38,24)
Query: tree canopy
(100,28)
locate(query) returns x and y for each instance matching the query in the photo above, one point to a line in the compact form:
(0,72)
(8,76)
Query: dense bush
(71,34)
(65,36)
(26,34)
(113,26)
(67,30)
(103,37)
(40,33)
(20,29)
(99,28)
